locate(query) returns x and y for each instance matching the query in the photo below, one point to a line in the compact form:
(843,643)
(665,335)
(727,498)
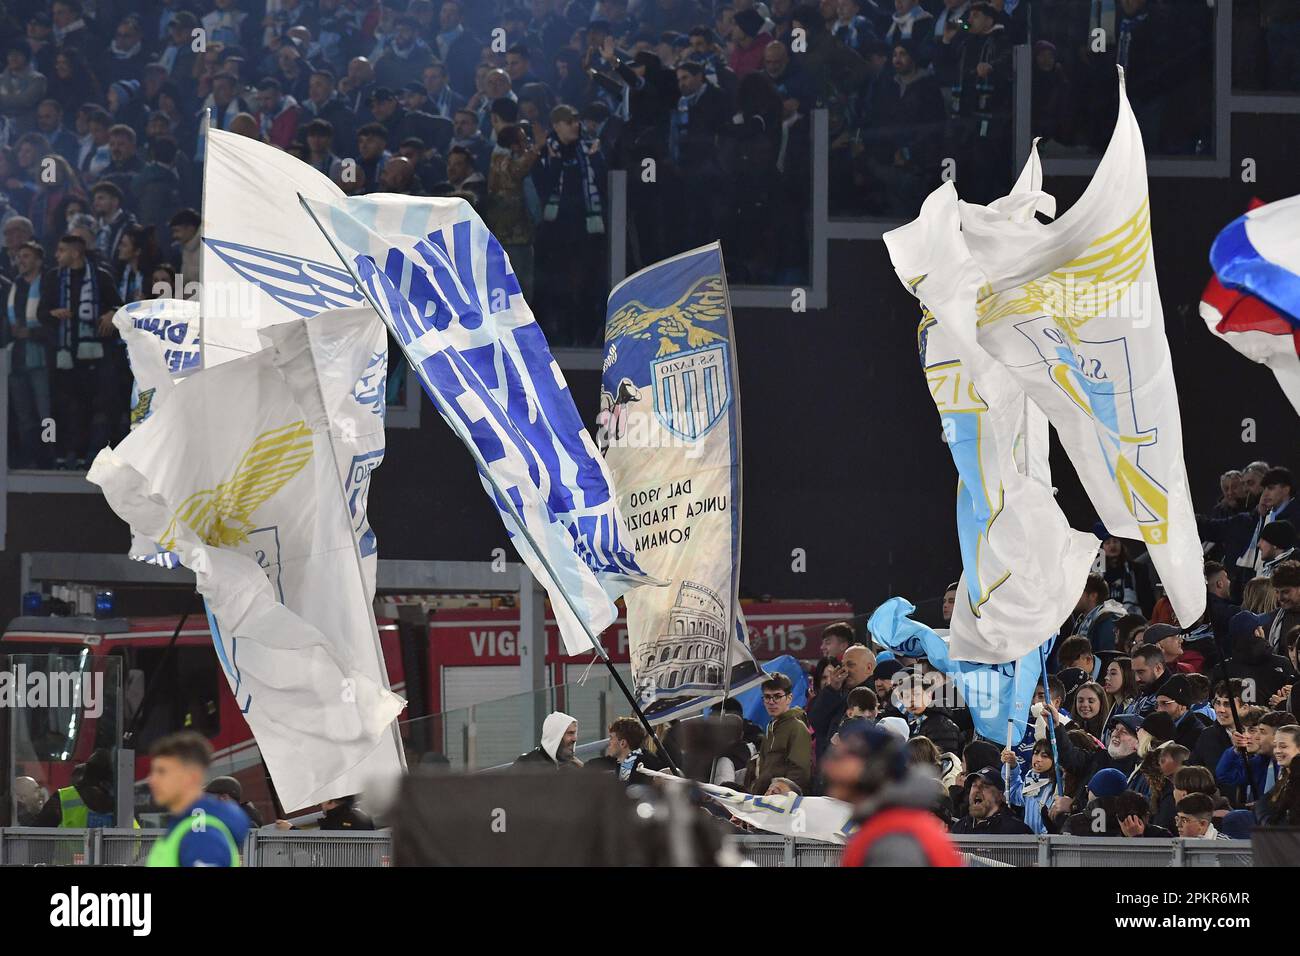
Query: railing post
(471,739)
(789,852)
(95,847)
(250,848)
(1044,849)
(1179,853)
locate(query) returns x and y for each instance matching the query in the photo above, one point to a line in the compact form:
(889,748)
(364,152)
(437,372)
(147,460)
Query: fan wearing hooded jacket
(559,737)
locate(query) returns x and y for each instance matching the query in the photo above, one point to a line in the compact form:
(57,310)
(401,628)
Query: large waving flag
(162,345)
(1023,566)
(263,262)
(670,428)
(238,473)
(444,287)
(1071,308)
(1253,300)
(997,694)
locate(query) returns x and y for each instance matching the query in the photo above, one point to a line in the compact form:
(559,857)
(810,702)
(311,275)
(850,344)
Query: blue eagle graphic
(300,285)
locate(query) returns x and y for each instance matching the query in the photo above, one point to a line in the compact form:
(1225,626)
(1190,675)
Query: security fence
(1029,850)
(32,846)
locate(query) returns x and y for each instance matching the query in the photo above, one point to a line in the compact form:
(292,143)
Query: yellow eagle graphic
(1083,288)
(221,516)
(677,325)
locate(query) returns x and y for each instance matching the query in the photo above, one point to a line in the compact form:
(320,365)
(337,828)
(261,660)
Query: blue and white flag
(1023,567)
(444,286)
(670,428)
(995,693)
(1253,300)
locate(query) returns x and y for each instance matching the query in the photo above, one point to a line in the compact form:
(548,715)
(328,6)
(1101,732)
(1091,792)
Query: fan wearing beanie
(1276,544)
(748,40)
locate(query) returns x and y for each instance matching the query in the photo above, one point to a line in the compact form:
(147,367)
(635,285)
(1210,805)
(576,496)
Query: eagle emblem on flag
(221,516)
(683,324)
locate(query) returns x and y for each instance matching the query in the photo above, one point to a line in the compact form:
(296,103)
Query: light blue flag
(444,287)
(995,693)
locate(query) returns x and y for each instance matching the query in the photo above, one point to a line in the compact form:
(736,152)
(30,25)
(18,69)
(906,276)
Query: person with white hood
(559,738)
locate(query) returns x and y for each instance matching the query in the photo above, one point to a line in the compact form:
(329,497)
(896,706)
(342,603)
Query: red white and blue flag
(1253,300)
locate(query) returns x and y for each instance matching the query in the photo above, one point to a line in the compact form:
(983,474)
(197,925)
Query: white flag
(263,261)
(1023,566)
(1072,309)
(237,474)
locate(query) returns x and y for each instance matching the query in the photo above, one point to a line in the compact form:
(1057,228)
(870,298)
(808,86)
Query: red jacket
(747,60)
(920,825)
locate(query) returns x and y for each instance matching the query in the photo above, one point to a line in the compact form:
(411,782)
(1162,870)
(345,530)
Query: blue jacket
(1231,772)
(208,847)
(1036,803)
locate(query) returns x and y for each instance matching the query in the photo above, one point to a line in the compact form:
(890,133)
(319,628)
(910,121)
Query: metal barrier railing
(1055,851)
(33,846)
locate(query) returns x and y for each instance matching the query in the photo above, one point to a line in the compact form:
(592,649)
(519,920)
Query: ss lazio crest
(692,390)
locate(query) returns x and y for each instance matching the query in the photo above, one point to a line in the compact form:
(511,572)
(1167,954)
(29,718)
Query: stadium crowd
(1154,727)
(522,108)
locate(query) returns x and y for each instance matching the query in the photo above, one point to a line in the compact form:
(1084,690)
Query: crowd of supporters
(1154,727)
(522,108)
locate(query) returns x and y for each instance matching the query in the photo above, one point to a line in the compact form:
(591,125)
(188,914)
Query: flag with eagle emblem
(240,473)
(444,287)
(263,261)
(669,425)
(1072,309)
(1023,567)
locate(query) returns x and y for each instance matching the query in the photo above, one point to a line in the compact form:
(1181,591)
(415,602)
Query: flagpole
(509,504)
(1051,723)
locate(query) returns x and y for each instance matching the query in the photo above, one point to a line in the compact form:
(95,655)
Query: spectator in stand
(30,357)
(1196,818)
(506,211)
(278,115)
(1097,614)
(1217,737)
(1170,641)
(1076,652)
(836,70)
(318,136)
(748,41)
(786,750)
(372,153)
(188,242)
(1277,541)
(467,136)
(980,129)
(987,812)
(405,56)
(626,740)
(73,81)
(1262,672)
(556,749)
(137,255)
(456,46)
(78,300)
(22,87)
(51,204)
(17,231)
(1150,674)
(49,123)
(926,720)
(1129,582)
(1036,792)
(1135,821)
(463,178)
(106,200)
(570,180)
(443,100)
(1089,707)
(837,638)
(156,188)
(1175,700)
(1281,804)
(1246,770)
(902,149)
